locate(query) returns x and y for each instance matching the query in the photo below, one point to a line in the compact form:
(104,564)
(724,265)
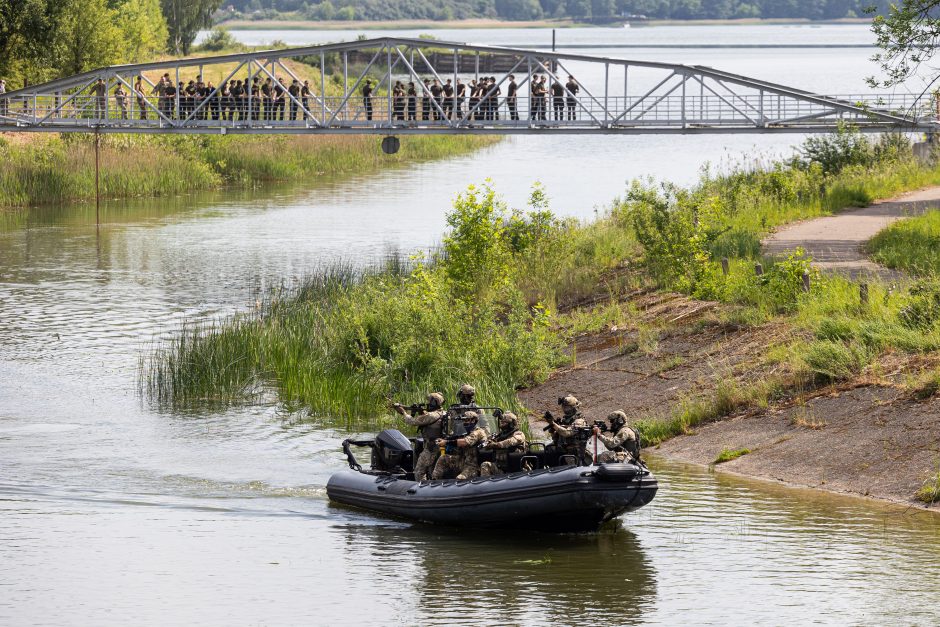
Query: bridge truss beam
(321,91)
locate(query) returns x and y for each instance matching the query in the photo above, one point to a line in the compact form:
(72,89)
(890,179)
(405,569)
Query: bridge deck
(323,89)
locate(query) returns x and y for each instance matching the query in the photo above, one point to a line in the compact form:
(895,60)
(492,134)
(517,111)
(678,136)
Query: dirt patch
(868,437)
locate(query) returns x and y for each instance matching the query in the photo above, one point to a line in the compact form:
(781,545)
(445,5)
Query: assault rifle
(414,409)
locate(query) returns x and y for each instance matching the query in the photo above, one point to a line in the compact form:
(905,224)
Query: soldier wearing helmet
(465,403)
(567,429)
(623,445)
(463,460)
(430,426)
(509,440)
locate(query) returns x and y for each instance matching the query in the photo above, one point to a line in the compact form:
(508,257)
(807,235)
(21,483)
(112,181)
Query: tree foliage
(908,36)
(184,19)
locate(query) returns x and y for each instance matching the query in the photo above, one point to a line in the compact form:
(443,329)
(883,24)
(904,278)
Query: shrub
(835,361)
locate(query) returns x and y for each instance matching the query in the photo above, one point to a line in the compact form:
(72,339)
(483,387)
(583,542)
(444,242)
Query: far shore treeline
(578,10)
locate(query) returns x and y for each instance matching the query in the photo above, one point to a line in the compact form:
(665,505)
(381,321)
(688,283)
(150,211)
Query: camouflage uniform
(429,425)
(504,442)
(617,451)
(568,443)
(465,461)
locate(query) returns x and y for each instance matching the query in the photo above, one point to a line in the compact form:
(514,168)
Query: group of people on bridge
(437,101)
(453,437)
(266,99)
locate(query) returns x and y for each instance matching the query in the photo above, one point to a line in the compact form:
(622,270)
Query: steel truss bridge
(611,96)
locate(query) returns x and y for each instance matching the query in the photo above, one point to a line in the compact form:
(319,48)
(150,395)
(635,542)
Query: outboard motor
(392,452)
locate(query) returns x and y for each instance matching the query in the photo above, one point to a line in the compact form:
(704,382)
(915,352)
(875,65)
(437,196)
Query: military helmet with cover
(470,416)
(569,401)
(435,401)
(466,393)
(617,419)
(508,420)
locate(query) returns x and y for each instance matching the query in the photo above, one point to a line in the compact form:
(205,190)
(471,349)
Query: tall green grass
(52,169)
(912,245)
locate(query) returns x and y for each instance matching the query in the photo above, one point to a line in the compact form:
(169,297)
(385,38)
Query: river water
(113,512)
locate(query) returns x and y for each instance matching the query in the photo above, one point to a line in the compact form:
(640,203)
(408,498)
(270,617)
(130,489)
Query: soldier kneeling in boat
(509,440)
(568,432)
(430,426)
(623,445)
(460,452)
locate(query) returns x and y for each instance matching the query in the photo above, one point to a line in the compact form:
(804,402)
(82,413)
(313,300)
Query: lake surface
(113,512)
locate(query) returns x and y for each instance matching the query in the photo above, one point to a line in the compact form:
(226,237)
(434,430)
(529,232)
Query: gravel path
(836,242)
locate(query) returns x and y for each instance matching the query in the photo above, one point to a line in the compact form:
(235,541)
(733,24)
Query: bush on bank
(347,341)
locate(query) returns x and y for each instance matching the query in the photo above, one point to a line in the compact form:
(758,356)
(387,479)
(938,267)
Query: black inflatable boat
(559,498)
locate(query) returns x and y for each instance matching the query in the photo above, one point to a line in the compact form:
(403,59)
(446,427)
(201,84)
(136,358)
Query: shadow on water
(512,577)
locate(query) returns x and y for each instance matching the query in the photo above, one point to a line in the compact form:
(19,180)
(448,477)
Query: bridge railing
(677,111)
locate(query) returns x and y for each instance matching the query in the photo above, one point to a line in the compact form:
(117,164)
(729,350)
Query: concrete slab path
(836,243)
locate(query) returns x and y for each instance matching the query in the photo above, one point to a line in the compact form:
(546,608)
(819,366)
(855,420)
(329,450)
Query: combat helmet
(569,401)
(435,400)
(467,392)
(512,422)
(617,419)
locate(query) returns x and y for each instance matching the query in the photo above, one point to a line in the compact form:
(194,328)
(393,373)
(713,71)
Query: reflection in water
(503,577)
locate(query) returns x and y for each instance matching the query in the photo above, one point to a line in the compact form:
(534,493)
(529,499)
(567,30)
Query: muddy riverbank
(876,435)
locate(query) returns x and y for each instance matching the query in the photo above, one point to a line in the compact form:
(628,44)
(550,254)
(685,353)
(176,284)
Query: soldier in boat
(568,431)
(430,426)
(509,440)
(460,452)
(623,445)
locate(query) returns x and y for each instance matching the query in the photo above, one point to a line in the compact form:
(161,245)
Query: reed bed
(58,169)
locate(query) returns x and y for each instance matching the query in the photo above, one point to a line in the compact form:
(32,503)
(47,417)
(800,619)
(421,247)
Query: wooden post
(97,185)
(725,266)
(863,293)
(758,269)
(805,280)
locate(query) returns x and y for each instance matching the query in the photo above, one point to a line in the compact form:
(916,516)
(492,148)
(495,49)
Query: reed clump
(346,341)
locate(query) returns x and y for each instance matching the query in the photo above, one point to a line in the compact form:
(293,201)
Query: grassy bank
(912,245)
(486,310)
(46,170)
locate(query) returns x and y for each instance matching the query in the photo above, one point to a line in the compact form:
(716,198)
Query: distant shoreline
(491,23)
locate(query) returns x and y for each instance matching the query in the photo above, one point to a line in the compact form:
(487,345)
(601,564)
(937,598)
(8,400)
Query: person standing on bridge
(572,101)
(558,100)
(412,103)
(120,99)
(141,99)
(367,98)
(512,92)
(305,98)
(426,101)
(100,92)
(461,91)
(3,100)
(436,91)
(448,100)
